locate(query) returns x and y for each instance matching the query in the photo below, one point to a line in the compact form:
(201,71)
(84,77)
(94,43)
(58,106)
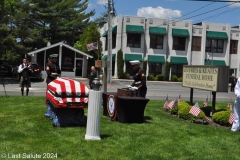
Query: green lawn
(24,130)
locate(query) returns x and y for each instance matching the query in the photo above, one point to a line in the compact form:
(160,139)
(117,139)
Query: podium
(124,106)
(125,92)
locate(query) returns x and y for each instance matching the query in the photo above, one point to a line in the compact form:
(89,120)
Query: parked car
(36,72)
(7,68)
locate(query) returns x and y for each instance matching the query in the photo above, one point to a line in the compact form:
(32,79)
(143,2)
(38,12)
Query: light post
(212,51)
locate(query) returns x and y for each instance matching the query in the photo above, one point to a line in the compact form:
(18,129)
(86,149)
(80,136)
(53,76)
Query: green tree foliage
(37,22)
(167,70)
(90,35)
(120,63)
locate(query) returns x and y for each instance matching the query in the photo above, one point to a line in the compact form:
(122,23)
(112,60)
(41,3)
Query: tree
(120,63)
(36,22)
(90,35)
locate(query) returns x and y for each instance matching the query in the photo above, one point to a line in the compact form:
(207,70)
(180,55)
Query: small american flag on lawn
(179,97)
(231,118)
(207,118)
(172,104)
(229,106)
(205,104)
(195,110)
(166,102)
(92,46)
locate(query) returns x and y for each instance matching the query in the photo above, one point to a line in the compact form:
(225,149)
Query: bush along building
(159,41)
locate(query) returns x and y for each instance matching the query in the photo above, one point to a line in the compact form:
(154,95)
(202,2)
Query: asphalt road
(156,90)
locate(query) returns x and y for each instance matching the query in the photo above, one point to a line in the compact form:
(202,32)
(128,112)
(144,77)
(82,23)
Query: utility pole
(109,63)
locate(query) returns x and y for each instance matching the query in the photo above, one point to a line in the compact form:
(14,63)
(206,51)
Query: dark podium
(127,107)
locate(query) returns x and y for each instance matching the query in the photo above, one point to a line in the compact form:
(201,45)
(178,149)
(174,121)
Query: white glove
(129,86)
(135,88)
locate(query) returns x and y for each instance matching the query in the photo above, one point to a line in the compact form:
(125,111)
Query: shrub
(125,76)
(180,79)
(182,104)
(221,117)
(174,78)
(160,77)
(174,110)
(150,77)
(184,113)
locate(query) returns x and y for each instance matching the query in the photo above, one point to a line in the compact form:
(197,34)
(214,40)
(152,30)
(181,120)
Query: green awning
(114,30)
(132,57)
(156,59)
(215,62)
(217,35)
(179,60)
(105,57)
(105,34)
(180,32)
(157,30)
(134,29)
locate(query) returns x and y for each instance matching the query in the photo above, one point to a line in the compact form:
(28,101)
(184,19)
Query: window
(196,43)
(179,43)
(155,68)
(113,41)
(214,45)
(233,46)
(156,41)
(129,68)
(177,70)
(133,40)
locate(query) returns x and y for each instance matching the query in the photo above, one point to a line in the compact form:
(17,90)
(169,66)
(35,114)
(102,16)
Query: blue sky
(197,11)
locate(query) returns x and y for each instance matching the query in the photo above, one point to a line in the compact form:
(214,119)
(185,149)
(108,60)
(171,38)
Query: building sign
(67,61)
(212,78)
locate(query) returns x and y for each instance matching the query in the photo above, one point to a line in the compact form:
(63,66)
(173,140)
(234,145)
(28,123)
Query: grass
(24,130)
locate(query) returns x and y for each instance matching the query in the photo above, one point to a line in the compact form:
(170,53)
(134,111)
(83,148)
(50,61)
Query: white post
(93,117)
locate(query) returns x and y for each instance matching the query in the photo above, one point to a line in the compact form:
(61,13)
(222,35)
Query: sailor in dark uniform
(139,79)
(52,68)
(53,71)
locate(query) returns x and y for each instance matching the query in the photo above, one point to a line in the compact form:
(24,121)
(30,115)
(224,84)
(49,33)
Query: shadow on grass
(104,136)
(147,119)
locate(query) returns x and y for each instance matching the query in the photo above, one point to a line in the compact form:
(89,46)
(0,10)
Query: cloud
(102,2)
(237,4)
(158,12)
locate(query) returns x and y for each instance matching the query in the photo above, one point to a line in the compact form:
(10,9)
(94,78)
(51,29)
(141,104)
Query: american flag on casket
(64,92)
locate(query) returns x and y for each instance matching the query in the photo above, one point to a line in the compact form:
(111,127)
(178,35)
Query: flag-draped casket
(68,98)
(64,92)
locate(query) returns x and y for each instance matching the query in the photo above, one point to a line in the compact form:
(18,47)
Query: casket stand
(68,99)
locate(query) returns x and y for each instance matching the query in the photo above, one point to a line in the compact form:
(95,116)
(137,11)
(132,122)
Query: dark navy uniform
(140,82)
(52,69)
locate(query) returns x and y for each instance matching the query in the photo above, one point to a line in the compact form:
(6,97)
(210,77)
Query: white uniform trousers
(236,111)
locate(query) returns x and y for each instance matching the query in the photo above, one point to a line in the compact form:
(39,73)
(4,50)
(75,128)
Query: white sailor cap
(53,56)
(135,62)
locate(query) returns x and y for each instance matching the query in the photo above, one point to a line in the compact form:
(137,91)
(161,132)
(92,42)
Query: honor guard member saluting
(25,70)
(139,79)
(53,71)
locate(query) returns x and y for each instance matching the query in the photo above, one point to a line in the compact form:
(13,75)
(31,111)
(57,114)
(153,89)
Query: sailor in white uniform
(236,108)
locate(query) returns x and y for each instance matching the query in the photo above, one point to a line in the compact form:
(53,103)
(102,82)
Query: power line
(230,10)
(195,10)
(211,11)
